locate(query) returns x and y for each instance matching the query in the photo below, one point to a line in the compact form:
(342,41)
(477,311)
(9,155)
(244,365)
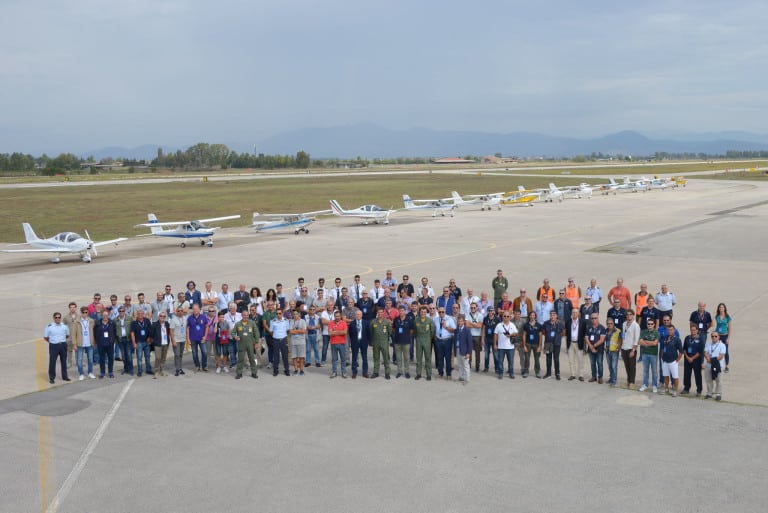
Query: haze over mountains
(372,141)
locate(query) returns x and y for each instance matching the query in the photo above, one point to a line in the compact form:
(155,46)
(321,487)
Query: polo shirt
(56,333)
(196,327)
(340,325)
(649,335)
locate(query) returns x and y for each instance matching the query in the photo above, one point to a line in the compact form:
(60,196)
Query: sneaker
(181,371)
(343,376)
(81,377)
(407,375)
(429,378)
(674,394)
(218,370)
(295,372)
(547,376)
(332,375)
(226,370)
(642,388)
(90,375)
(718,398)
(301,373)
(655,390)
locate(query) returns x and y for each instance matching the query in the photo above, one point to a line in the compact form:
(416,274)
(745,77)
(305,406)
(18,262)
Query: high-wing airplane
(553,193)
(435,205)
(628,185)
(285,222)
(64,242)
(521,197)
(185,229)
(366,213)
(484,200)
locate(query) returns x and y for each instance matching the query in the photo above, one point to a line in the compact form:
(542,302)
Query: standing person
(209,297)
(499,284)
(532,345)
(474,321)
(553,330)
(402,330)
(406,286)
(463,344)
(298,333)
(180,302)
(665,300)
(247,338)
(562,306)
(649,350)
(337,329)
(594,340)
(641,301)
(504,346)
(168,299)
(445,326)
(613,337)
(525,305)
(390,285)
(617,314)
(631,339)
(192,295)
(104,334)
(575,327)
(211,329)
(123,333)
(671,352)
(424,333)
(82,338)
(517,338)
(546,291)
(56,335)
(381,331)
(489,329)
(231,318)
(156,306)
(650,311)
(468,301)
(359,338)
(455,290)
(197,327)
(693,357)
(140,337)
(326,317)
(278,328)
(221,344)
(702,319)
(270,314)
(313,326)
(594,293)
(622,293)
(225,297)
(723,327)
(573,292)
(69,320)
(715,357)
(179,326)
(162,338)
(541,309)
(242,299)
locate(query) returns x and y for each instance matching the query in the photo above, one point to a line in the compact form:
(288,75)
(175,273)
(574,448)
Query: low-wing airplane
(521,197)
(661,183)
(484,200)
(628,185)
(185,229)
(297,223)
(64,242)
(366,213)
(435,205)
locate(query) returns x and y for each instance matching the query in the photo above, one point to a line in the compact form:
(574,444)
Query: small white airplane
(435,205)
(366,212)
(484,200)
(297,223)
(64,242)
(660,183)
(582,191)
(628,185)
(553,193)
(185,229)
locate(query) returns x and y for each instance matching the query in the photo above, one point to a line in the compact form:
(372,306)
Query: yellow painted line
(45,452)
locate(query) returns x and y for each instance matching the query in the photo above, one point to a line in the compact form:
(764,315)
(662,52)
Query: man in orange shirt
(337,329)
(621,293)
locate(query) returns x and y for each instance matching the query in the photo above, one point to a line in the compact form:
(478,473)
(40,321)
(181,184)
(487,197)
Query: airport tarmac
(206,442)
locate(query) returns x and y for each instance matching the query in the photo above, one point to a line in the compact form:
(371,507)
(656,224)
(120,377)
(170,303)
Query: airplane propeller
(91,247)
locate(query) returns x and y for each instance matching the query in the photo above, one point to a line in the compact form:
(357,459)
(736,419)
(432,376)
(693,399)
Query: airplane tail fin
(552,187)
(153,219)
(407,201)
(29,233)
(336,208)
(456,197)
(612,181)
(520,188)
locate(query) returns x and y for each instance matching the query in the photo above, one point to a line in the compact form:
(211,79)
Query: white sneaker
(218,370)
(81,377)
(642,388)
(90,375)
(226,369)
(655,390)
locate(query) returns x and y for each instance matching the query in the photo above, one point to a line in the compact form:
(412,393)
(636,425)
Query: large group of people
(406,326)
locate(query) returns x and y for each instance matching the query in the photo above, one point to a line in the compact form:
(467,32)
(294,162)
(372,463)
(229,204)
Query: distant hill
(371,141)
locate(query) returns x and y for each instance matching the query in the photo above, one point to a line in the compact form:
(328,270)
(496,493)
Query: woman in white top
(714,351)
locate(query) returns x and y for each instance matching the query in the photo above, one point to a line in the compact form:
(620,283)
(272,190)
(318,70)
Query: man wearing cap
(56,334)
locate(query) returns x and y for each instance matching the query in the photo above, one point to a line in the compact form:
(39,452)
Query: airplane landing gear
(183,244)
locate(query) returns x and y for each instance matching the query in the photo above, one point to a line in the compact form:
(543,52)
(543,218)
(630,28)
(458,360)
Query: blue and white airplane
(297,223)
(64,242)
(185,229)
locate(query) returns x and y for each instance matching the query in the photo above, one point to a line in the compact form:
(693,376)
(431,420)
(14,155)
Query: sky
(84,74)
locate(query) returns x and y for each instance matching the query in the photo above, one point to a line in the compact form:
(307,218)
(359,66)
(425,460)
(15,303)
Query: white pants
(576,360)
(669,369)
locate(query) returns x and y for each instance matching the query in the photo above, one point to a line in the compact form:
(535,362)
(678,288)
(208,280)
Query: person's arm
(541,341)
(133,338)
(600,342)
(171,335)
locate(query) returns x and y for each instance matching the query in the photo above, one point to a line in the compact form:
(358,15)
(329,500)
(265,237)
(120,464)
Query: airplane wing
(180,223)
(105,242)
(210,220)
(300,214)
(37,250)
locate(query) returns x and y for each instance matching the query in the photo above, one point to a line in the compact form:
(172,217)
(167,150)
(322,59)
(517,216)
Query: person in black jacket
(575,328)
(359,339)
(693,349)
(106,338)
(162,338)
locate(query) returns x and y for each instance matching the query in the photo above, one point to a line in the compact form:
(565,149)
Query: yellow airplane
(521,197)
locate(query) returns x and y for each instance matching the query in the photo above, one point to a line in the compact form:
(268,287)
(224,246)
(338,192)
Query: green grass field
(112,210)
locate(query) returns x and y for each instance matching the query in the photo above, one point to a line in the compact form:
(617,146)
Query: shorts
(221,349)
(669,369)
(299,350)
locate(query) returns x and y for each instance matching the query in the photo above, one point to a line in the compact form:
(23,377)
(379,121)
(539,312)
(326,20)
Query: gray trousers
(178,351)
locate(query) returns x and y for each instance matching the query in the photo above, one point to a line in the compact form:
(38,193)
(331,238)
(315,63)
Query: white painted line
(61,495)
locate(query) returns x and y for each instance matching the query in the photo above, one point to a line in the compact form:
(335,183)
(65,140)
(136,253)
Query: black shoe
(181,371)
(118,359)
(387,376)
(511,376)
(684,392)
(407,375)
(51,381)
(500,376)
(485,370)
(581,378)
(374,375)
(398,375)
(318,365)
(66,379)
(274,374)
(176,373)
(138,374)
(238,376)
(287,373)
(255,376)
(429,378)
(557,377)
(418,376)
(546,376)
(152,372)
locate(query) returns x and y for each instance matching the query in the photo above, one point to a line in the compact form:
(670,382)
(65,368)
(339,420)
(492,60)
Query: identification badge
(530,336)
(690,350)
(400,329)
(365,310)
(106,334)
(701,325)
(142,333)
(591,338)
(552,334)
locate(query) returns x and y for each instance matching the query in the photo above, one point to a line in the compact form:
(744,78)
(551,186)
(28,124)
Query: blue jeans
(198,345)
(443,348)
(117,351)
(127,349)
(596,363)
(649,366)
(312,346)
(613,366)
(232,352)
(488,351)
(89,352)
(143,349)
(339,352)
(509,354)
(326,343)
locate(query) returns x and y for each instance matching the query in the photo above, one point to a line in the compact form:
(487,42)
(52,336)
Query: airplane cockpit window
(71,237)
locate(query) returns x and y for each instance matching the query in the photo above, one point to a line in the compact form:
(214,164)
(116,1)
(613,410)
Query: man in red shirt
(337,330)
(621,293)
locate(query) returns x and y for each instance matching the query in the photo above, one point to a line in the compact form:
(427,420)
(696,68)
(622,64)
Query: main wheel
(183,244)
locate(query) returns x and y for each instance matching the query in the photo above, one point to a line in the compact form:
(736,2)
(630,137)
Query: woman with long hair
(723,327)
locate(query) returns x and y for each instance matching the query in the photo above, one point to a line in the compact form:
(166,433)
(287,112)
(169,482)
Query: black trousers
(694,367)
(554,355)
(279,347)
(57,351)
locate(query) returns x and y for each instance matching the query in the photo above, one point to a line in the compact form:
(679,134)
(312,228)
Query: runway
(314,444)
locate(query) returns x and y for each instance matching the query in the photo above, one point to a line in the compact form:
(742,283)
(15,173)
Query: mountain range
(372,141)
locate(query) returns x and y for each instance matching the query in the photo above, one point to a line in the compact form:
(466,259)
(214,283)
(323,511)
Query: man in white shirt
(296,294)
(504,346)
(326,316)
(468,300)
(209,296)
(356,289)
(178,325)
(232,317)
(630,340)
(320,288)
(225,297)
(425,286)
